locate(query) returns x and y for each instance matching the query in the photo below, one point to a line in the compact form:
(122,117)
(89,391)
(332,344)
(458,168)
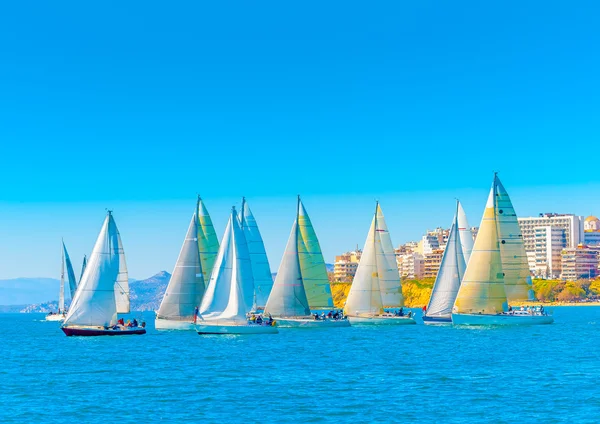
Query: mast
(375,250)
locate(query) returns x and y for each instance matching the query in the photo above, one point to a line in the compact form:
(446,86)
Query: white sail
(517,279)
(208,243)
(482,287)
(122,283)
(186,286)
(95,300)
(230,292)
(61,293)
(70,272)
(83,266)
(288,297)
(465,233)
(452,269)
(312,264)
(376,283)
(261,271)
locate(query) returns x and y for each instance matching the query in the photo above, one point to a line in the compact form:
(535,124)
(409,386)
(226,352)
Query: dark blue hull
(437,320)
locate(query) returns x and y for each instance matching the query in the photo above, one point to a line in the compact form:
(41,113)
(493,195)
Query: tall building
(434,240)
(432,262)
(345,266)
(572,226)
(549,244)
(410,265)
(579,262)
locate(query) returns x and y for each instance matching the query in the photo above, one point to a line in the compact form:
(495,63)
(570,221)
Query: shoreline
(544,304)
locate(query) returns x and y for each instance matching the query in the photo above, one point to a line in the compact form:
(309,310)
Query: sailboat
(301,284)
(447,282)
(103,291)
(65,262)
(208,243)
(179,307)
(376,285)
(482,297)
(229,296)
(261,271)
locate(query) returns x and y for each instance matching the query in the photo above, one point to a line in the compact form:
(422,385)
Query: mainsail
(517,279)
(186,286)
(70,272)
(288,297)
(312,264)
(452,269)
(465,233)
(377,281)
(261,271)
(208,243)
(482,288)
(95,301)
(230,292)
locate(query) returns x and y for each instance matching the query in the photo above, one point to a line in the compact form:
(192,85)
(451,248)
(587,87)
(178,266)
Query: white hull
(55,317)
(206,328)
(381,320)
(311,323)
(501,319)
(172,324)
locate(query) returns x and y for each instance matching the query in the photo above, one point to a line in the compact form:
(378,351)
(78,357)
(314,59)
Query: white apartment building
(549,244)
(572,226)
(410,265)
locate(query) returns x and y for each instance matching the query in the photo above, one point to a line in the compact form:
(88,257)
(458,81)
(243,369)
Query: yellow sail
(517,279)
(482,289)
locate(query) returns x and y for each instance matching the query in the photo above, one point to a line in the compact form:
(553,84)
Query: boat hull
(441,320)
(172,324)
(381,320)
(55,317)
(97,331)
(501,319)
(311,323)
(238,329)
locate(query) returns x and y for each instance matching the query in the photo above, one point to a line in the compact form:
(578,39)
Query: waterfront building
(549,244)
(345,266)
(579,262)
(432,262)
(410,265)
(591,231)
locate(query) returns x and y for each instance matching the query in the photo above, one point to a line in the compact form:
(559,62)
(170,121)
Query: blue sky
(139,106)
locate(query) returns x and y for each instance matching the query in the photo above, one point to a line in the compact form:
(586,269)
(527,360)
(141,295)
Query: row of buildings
(562,246)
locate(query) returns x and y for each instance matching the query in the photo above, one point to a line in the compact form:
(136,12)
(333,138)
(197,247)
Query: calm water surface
(359,374)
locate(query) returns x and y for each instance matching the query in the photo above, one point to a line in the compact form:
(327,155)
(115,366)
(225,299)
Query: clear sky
(139,106)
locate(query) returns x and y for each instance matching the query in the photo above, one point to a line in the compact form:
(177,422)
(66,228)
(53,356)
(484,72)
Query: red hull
(97,332)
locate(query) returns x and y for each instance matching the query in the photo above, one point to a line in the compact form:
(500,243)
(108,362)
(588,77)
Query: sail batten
(186,285)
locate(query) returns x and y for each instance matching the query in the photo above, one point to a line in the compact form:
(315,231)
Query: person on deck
(195,314)
(259,320)
(135,322)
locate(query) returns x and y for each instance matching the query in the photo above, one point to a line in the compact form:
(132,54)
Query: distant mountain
(23,291)
(146,295)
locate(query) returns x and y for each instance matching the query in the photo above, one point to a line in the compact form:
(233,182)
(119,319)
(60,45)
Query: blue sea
(542,374)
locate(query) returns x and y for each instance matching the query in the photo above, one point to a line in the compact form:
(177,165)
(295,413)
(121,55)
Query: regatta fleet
(228,288)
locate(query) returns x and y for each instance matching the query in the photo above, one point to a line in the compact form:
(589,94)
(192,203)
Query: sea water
(540,374)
